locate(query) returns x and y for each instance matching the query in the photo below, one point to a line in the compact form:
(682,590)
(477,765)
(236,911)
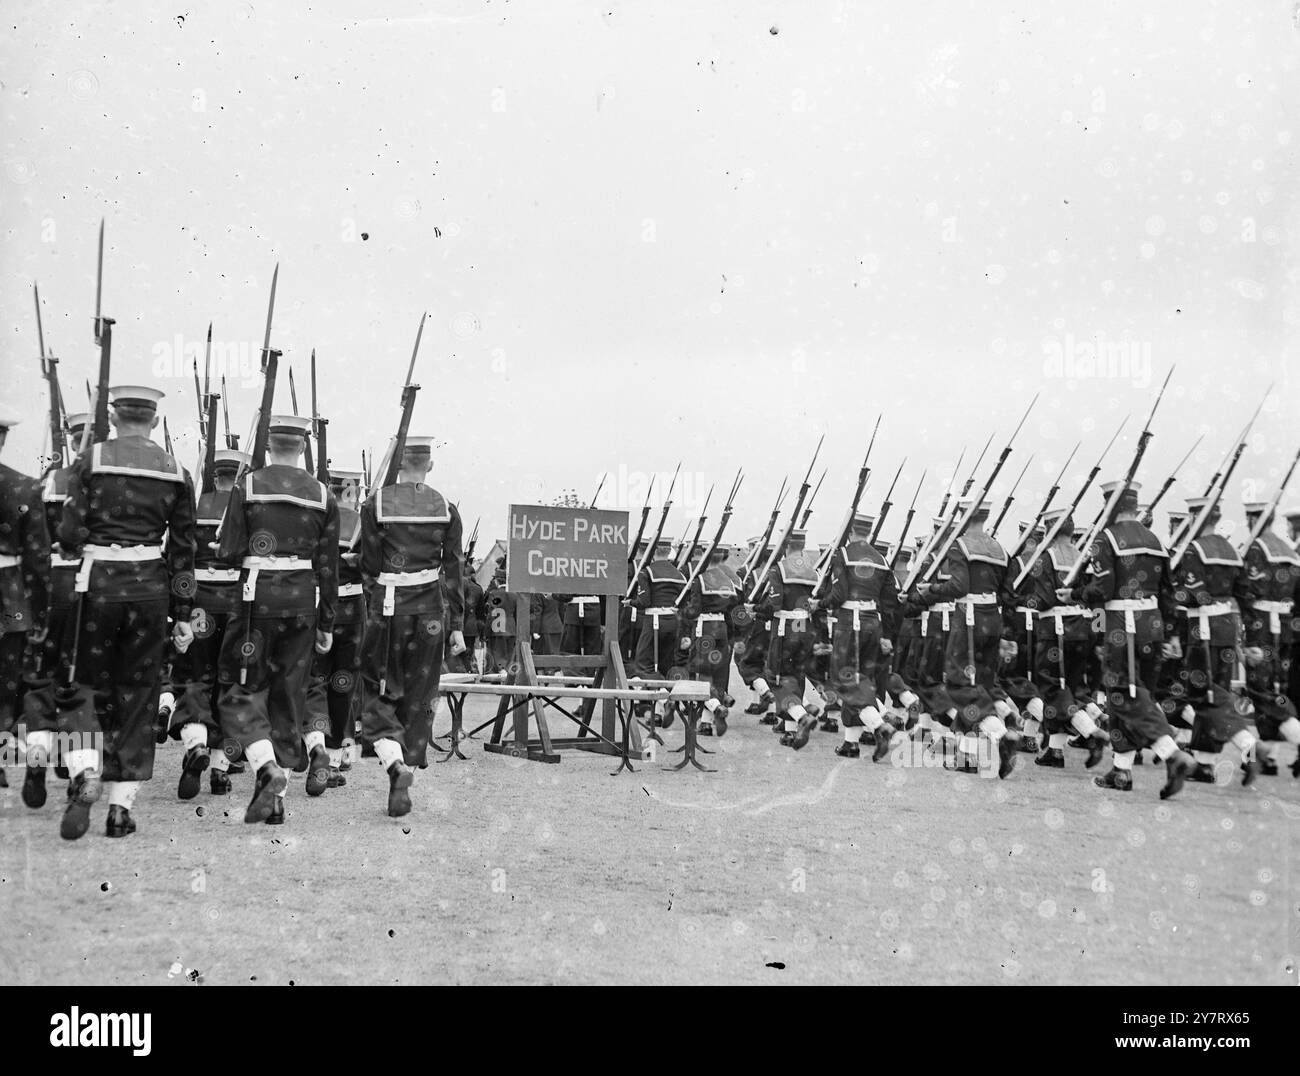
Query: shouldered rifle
(97,429)
(1167,483)
(1108,511)
(1219,482)
(703,562)
(907,522)
(319,428)
(759,551)
(310,467)
(207,476)
(50,371)
(635,550)
(1266,517)
(685,556)
(947,495)
(599,486)
(1011,496)
(649,552)
(827,562)
(1051,535)
(886,505)
(947,517)
(392,464)
(365,469)
(167,437)
(960,528)
(1023,540)
(232,439)
(778,551)
(473,540)
(807,511)
(270,366)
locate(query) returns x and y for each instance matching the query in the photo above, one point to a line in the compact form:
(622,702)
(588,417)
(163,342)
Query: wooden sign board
(551,550)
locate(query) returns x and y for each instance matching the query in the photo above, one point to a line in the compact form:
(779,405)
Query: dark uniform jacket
(411,527)
(25,587)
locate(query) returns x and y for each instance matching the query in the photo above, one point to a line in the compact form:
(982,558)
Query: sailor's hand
(684,643)
(886,647)
(182,636)
(324,641)
(1253,656)
(1172,650)
(1065,595)
(1008,649)
(458,643)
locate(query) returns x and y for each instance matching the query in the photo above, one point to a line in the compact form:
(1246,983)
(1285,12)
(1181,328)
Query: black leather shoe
(318,771)
(727,700)
(34,787)
(828,724)
(1202,773)
(236,767)
(61,772)
(120,823)
(1008,750)
(4,778)
(1029,744)
(271,782)
(1177,770)
(1053,758)
(720,716)
(195,762)
(162,724)
(848,750)
(276,817)
(219,783)
(1267,766)
(668,717)
(337,780)
(1119,780)
(1096,747)
(400,778)
(884,736)
(787,739)
(704,728)
(767,719)
(83,790)
(801,733)
(1249,771)
(760,705)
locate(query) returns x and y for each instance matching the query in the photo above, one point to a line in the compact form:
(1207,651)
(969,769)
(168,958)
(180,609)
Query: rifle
(945,522)
(232,439)
(1023,540)
(634,551)
(778,551)
(310,466)
(681,542)
(1164,486)
(319,428)
(943,504)
(685,556)
(960,528)
(1108,511)
(1266,517)
(473,539)
(907,522)
(392,463)
(365,469)
(703,562)
(50,371)
(1219,481)
(807,512)
(1188,533)
(842,535)
(760,549)
(270,366)
(886,504)
(1069,514)
(97,429)
(167,437)
(659,530)
(1011,496)
(599,486)
(207,477)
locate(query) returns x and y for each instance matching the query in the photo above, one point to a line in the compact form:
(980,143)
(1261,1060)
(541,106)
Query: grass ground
(778,868)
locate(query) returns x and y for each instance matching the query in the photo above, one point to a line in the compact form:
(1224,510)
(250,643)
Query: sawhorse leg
(690,717)
(456,704)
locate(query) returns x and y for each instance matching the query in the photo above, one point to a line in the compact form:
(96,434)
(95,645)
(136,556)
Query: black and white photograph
(651,494)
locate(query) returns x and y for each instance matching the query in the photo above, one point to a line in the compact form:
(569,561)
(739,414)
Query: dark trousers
(1266,683)
(657,655)
(581,639)
(402,654)
(711,655)
(274,654)
(789,661)
(12,644)
(1138,720)
(970,664)
(120,651)
(752,662)
(855,662)
(333,686)
(1061,669)
(195,674)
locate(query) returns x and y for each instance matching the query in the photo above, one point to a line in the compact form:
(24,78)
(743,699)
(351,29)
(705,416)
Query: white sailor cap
(1053,515)
(1108,488)
(227,459)
(338,474)
(135,396)
(294,424)
(1255,508)
(863,521)
(1200,504)
(418,444)
(1291,513)
(79,420)
(974,507)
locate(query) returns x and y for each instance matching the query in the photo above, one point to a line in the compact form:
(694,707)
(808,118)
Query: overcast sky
(647,233)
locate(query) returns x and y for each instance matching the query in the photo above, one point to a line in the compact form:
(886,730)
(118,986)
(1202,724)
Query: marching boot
(83,790)
(884,736)
(760,705)
(828,724)
(162,722)
(219,783)
(276,817)
(61,772)
(34,787)
(1096,747)
(120,823)
(768,719)
(1008,749)
(337,780)
(1202,773)
(1053,758)
(848,750)
(669,715)
(799,739)
(1029,744)
(1119,780)
(400,778)
(271,782)
(1249,771)
(195,762)
(237,767)
(1179,767)
(4,778)
(727,700)
(1267,764)
(318,771)
(704,728)
(720,716)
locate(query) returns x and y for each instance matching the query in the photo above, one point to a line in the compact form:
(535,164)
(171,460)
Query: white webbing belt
(256,565)
(1129,606)
(784,616)
(1060,612)
(703,618)
(216,575)
(390,581)
(113,553)
(350,590)
(1203,613)
(9,560)
(857,608)
(972,600)
(1276,611)
(1029,615)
